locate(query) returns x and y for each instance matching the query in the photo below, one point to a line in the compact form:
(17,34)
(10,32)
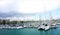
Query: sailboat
(52,23)
(44,25)
(47,27)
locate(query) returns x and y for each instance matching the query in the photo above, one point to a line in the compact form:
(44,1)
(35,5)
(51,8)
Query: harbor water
(30,31)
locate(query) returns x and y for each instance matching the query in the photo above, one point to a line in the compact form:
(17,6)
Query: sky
(36,7)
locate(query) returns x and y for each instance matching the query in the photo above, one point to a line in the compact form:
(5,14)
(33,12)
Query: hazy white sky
(31,6)
(28,6)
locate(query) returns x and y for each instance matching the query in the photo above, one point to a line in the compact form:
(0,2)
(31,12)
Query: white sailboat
(41,27)
(52,23)
(47,27)
(44,26)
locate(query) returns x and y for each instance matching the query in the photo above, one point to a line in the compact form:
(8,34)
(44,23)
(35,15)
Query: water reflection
(30,31)
(49,32)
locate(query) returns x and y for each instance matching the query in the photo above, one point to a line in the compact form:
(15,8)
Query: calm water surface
(30,31)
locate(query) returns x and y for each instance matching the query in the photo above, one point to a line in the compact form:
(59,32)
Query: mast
(44,11)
